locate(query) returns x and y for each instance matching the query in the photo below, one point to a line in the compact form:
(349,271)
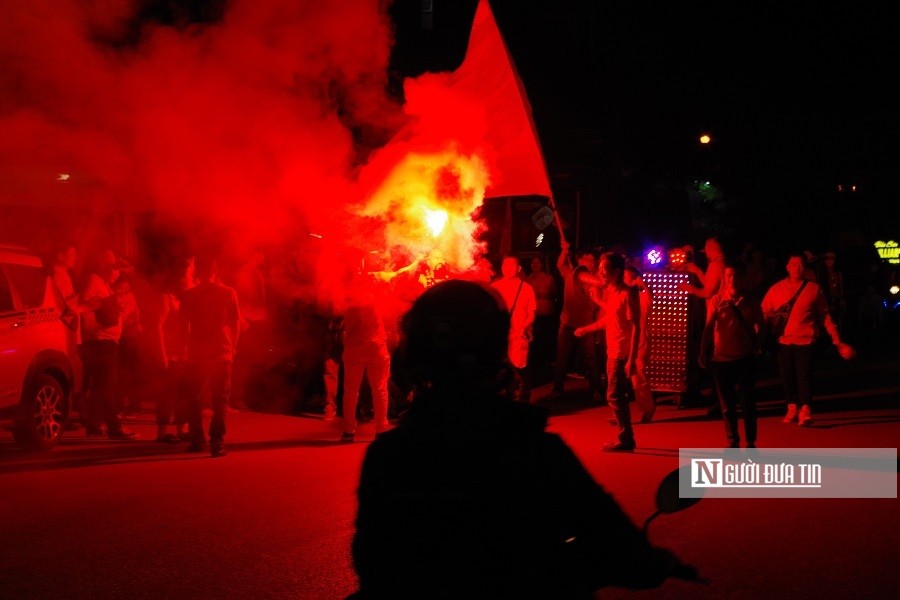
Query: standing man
(213,317)
(545,326)
(710,285)
(643,396)
(365,354)
(519,299)
(734,325)
(622,321)
(795,345)
(578,310)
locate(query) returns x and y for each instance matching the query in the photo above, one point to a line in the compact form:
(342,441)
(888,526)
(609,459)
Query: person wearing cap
(470,496)
(101,332)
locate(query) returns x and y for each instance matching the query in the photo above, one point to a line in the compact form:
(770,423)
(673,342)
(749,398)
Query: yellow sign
(889,251)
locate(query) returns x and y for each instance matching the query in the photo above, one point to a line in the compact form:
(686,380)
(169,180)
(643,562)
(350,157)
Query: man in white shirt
(519,299)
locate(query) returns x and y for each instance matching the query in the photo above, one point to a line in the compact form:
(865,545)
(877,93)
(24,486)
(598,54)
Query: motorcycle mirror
(668,499)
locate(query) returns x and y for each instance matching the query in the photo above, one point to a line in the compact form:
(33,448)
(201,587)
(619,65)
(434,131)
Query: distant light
(654,257)
(895,289)
(316,235)
(540,238)
(853,188)
(705,139)
(62,177)
(677,257)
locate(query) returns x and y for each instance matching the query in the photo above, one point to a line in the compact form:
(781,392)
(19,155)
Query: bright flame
(426,206)
(436,220)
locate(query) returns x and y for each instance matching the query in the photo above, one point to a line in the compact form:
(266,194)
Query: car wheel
(44,411)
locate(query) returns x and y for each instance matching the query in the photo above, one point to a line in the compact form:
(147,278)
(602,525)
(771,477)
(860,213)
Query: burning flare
(436,220)
(426,204)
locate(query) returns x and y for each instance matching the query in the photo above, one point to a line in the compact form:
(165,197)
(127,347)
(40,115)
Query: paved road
(273,520)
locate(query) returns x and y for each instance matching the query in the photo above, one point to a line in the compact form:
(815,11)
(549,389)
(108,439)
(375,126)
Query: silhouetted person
(101,332)
(545,326)
(365,354)
(578,310)
(213,317)
(469,496)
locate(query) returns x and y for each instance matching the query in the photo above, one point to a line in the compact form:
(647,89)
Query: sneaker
(791,415)
(330,413)
(347,438)
(619,447)
(805,416)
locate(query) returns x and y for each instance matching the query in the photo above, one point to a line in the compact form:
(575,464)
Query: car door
(14,357)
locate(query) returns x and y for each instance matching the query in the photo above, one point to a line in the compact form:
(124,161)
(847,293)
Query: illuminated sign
(889,251)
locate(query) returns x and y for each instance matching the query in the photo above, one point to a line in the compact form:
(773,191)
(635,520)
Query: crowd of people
(185,335)
(171,337)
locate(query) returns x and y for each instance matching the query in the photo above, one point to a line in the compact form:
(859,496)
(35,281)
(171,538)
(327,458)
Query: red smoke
(251,129)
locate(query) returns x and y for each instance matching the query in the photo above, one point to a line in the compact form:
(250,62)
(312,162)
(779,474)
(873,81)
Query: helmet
(456,333)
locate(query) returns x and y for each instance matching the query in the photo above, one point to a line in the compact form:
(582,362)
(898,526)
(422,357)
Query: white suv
(36,374)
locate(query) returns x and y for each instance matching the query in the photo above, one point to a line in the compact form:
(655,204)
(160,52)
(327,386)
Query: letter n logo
(706,472)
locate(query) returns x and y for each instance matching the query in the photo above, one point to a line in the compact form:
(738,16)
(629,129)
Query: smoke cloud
(262,124)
